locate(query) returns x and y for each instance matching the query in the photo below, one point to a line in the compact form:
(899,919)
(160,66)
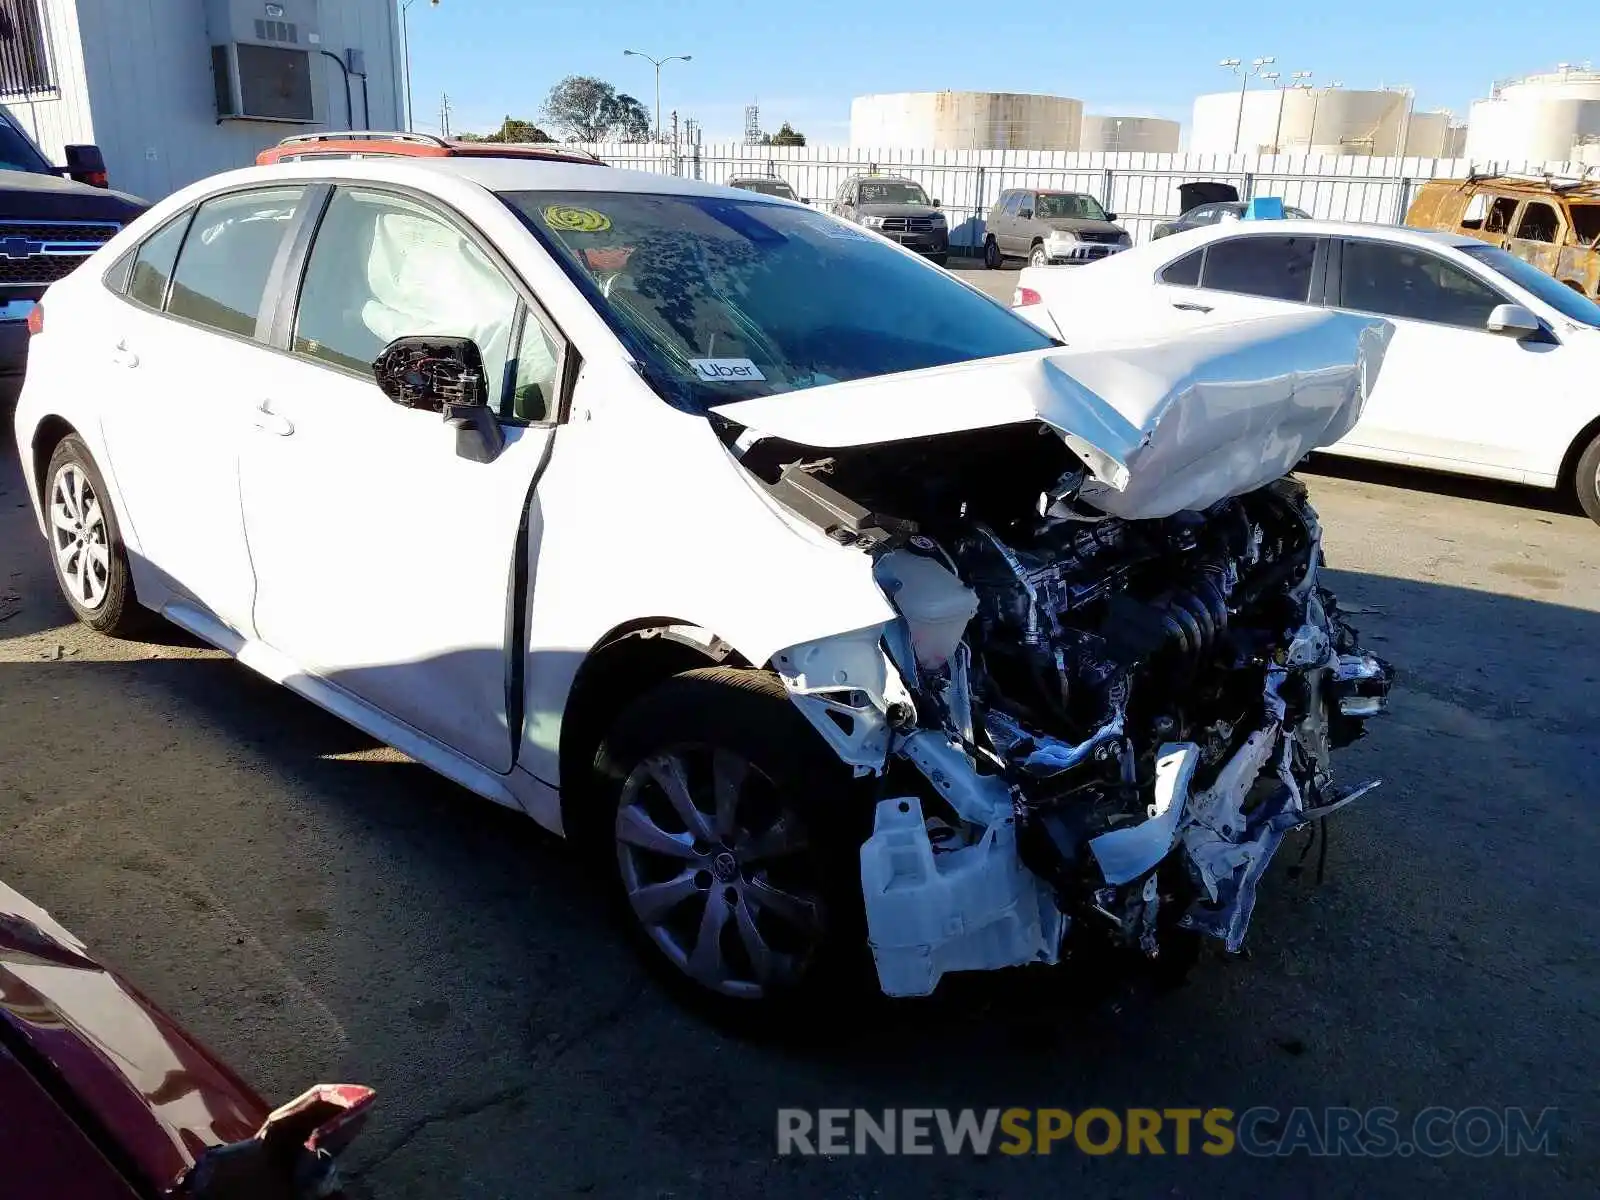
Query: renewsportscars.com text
(1260,1132)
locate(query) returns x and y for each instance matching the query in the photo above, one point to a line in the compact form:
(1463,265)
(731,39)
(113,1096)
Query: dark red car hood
(140,1088)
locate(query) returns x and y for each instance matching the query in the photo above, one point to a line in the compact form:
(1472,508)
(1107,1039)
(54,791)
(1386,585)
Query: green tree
(787,135)
(512,129)
(586,109)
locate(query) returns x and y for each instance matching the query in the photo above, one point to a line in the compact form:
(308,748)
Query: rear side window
(152,266)
(1277,268)
(223,267)
(1185,272)
(1539,222)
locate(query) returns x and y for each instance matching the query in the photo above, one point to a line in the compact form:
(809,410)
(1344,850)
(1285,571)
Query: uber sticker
(726,370)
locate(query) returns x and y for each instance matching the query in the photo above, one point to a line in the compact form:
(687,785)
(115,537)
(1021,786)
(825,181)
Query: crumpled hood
(1163,424)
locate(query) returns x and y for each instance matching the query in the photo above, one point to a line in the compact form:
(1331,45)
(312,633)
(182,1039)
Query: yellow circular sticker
(576,220)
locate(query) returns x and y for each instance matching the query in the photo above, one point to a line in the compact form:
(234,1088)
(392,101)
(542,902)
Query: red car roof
(412,145)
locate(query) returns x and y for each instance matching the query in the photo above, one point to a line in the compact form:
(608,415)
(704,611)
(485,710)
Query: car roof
(1200,235)
(493,174)
(879,175)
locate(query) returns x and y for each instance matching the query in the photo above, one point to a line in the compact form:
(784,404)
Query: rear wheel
(1037,256)
(733,837)
(991,254)
(86,542)
(1586,481)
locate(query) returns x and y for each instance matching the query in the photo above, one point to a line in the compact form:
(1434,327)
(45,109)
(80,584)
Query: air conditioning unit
(261,59)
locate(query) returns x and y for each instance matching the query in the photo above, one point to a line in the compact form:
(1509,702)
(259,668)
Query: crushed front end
(1092,729)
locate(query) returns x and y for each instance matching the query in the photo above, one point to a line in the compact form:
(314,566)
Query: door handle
(1188,307)
(124,357)
(267,421)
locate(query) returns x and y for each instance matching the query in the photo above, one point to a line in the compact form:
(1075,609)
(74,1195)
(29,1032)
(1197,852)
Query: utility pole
(658,62)
(1235,65)
(1296,83)
(674,129)
(444,116)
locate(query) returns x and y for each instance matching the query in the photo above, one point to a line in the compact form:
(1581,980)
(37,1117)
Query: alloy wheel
(714,866)
(79,536)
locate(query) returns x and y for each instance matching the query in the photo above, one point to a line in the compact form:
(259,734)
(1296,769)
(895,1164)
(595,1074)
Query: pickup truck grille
(37,253)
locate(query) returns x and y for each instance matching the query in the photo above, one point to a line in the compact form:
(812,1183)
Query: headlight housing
(937,218)
(872,222)
(1062,237)
(1125,240)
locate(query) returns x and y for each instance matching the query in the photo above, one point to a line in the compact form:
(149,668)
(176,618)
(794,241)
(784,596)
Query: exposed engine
(1137,712)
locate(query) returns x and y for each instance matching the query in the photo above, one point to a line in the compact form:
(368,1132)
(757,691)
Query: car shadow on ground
(1466,487)
(339,909)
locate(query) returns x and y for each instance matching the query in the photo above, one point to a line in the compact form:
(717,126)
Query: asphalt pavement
(315,906)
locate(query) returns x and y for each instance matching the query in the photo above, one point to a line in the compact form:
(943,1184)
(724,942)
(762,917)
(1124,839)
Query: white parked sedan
(1494,369)
(822,598)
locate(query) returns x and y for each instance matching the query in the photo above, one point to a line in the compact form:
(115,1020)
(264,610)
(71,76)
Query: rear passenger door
(185,367)
(1244,276)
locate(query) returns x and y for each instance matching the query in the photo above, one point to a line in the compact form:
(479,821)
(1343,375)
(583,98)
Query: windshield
(1068,204)
(767,187)
(724,299)
(892,191)
(17,153)
(1567,301)
(1586,223)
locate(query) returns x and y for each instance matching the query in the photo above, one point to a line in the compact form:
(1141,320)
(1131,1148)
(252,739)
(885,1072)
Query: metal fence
(1142,189)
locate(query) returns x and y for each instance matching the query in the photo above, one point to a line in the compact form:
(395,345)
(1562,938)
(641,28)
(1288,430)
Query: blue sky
(803,61)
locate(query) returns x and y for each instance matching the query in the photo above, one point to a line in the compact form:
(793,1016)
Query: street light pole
(405,45)
(1294,84)
(1234,65)
(1316,101)
(657,62)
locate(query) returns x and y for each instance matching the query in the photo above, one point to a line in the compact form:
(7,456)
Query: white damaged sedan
(827,603)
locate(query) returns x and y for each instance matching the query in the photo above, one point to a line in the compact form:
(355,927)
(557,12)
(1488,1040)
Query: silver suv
(1050,227)
(897,208)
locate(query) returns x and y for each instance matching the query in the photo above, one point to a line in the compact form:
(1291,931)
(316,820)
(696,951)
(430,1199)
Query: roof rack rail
(365,135)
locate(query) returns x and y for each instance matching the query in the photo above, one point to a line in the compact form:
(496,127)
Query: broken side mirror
(444,375)
(1513,320)
(85,164)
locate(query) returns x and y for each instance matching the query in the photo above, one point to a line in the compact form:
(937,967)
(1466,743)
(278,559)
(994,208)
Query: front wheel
(940,260)
(86,542)
(991,254)
(1037,257)
(733,836)
(1586,481)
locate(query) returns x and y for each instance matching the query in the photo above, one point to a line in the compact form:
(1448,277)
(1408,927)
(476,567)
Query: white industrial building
(1551,117)
(1150,135)
(966,121)
(1320,120)
(175,90)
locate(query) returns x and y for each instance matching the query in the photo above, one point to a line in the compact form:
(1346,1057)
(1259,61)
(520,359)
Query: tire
(86,548)
(1037,256)
(992,257)
(940,260)
(782,886)
(1586,481)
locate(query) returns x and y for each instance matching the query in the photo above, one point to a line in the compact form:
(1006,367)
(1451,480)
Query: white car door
(185,357)
(1246,275)
(1450,393)
(385,559)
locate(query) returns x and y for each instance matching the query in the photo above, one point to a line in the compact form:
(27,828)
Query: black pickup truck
(51,218)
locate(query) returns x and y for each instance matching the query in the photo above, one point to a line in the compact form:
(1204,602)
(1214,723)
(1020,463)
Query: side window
(1477,208)
(1204,215)
(1278,268)
(1501,210)
(537,379)
(1539,222)
(1412,284)
(1025,205)
(384,267)
(152,265)
(1186,271)
(223,266)
(1012,202)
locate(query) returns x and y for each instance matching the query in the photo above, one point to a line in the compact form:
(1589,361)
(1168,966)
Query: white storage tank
(1299,120)
(1152,135)
(966,121)
(1536,119)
